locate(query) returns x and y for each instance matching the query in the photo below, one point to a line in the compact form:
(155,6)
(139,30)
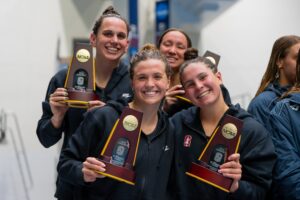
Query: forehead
(295,48)
(175,36)
(194,69)
(150,66)
(113,23)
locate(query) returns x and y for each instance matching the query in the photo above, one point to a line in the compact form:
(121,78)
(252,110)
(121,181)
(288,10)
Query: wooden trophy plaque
(119,152)
(80,80)
(223,142)
(213,57)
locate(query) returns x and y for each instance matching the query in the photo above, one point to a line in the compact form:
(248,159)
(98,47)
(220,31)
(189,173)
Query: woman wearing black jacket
(250,169)
(110,39)
(150,80)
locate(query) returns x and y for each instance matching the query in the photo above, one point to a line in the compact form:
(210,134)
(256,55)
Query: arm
(50,126)
(70,166)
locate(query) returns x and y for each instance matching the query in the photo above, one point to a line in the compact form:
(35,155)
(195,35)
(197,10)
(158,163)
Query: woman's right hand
(58,106)
(90,167)
(171,95)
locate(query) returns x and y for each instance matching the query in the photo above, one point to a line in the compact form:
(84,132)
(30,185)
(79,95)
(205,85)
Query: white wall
(244,35)
(29,32)
(29,29)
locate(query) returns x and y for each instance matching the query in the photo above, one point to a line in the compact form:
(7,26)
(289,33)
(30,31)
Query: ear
(127,46)
(219,77)
(279,63)
(93,38)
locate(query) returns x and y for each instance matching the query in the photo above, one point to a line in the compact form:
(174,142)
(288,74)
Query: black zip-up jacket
(257,157)
(119,86)
(153,161)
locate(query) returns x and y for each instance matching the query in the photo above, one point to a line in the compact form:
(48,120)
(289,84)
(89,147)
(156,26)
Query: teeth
(150,92)
(202,94)
(113,50)
(171,59)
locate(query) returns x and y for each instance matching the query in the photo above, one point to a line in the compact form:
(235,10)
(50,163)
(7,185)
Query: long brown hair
(280,49)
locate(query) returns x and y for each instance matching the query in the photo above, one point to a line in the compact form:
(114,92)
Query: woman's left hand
(232,169)
(95,104)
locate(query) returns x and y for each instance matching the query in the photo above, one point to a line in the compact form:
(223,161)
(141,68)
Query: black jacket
(256,150)
(119,86)
(153,162)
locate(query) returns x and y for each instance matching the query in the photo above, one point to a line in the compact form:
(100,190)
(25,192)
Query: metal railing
(20,150)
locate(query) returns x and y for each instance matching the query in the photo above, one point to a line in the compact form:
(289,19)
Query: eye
(202,76)
(167,43)
(158,76)
(121,36)
(141,77)
(108,33)
(181,46)
(188,84)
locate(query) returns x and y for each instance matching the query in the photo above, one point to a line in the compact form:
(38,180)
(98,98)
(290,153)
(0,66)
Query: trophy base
(118,173)
(210,177)
(80,99)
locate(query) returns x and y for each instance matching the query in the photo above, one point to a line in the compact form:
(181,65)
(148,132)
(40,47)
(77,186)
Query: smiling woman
(110,38)
(150,74)
(194,128)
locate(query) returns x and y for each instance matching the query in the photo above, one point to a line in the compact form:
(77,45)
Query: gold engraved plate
(83,55)
(229,131)
(130,123)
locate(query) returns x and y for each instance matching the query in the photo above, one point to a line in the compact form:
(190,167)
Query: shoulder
(287,108)
(123,68)
(61,75)
(102,114)
(251,127)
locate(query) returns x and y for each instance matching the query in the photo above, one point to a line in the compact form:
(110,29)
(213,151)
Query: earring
(277,75)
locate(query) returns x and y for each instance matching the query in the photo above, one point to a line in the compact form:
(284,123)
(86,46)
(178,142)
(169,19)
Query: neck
(175,79)
(211,115)
(104,70)
(150,116)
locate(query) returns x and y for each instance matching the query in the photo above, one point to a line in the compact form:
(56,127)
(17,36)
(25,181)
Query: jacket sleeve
(257,159)
(78,149)
(47,134)
(287,167)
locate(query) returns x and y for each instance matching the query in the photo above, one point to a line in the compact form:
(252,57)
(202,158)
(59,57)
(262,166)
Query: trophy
(214,58)
(120,149)
(80,80)
(223,142)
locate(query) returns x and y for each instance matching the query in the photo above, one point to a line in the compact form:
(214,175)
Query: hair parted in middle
(109,12)
(148,51)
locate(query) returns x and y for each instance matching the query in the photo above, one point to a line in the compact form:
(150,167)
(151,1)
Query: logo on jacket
(187,141)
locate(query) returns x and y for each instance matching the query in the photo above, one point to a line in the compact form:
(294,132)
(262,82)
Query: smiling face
(287,65)
(173,45)
(111,40)
(201,85)
(150,82)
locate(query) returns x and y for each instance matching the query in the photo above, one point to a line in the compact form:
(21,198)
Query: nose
(150,82)
(115,38)
(198,84)
(172,50)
